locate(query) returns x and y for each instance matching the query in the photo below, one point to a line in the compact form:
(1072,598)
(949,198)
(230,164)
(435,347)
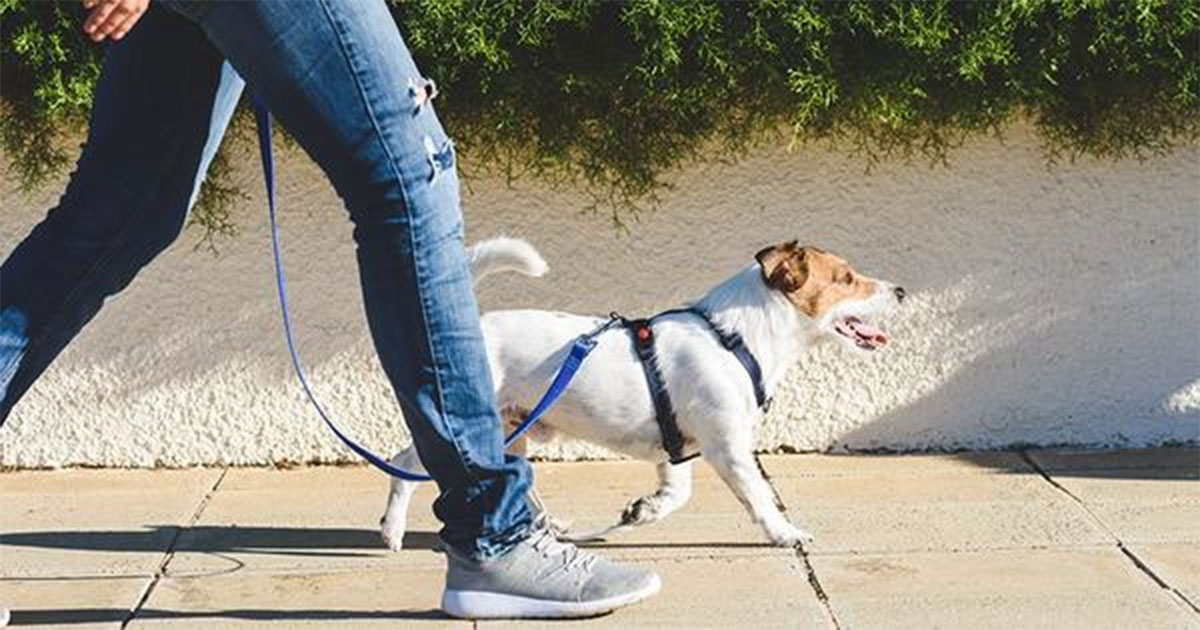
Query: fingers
(101,11)
(121,29)
(112,18)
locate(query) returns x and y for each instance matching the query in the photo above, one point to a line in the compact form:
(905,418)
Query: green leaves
(610,96)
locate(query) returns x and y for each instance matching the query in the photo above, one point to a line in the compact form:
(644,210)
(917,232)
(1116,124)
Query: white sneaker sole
(486,605)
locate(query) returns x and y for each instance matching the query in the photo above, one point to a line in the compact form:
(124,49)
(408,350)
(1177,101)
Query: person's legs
(159,111)
(337,75)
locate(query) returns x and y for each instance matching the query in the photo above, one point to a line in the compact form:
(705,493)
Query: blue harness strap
(580,349)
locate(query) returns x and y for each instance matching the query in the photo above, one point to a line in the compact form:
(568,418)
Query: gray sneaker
(542,577)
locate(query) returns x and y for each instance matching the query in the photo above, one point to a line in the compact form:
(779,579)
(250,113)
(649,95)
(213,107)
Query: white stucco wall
(1048,306)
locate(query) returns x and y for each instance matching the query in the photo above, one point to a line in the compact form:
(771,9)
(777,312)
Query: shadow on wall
(1040,365)
(1055,313)
(1049,306)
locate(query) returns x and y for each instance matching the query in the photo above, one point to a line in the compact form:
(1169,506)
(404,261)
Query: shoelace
(545,542)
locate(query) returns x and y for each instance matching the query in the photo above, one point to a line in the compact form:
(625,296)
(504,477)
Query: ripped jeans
(338,76)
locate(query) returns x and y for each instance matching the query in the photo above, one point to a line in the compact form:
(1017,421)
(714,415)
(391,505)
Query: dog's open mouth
(864,335)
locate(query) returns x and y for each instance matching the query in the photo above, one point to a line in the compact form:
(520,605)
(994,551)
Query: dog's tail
(505,254)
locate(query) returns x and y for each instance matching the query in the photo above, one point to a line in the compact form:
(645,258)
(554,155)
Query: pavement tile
(1142,506)
(1177,564)
(366,598)
(307,518)
(934,512)
(724,592)
(72,604)
(593,494)
(852,465)
(1066,461)
(1094,588)
(84,522)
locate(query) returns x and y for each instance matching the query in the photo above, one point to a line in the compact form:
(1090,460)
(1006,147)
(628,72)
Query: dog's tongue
(869,332)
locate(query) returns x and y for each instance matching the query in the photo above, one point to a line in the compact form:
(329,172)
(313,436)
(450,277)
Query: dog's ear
(784,267)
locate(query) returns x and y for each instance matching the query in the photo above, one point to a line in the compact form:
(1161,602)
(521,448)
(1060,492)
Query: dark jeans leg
(156,117)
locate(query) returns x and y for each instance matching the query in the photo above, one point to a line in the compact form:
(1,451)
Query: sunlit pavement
(1033,539)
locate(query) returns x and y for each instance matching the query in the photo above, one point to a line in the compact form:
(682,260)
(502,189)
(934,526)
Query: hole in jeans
(440,159)
(421,90)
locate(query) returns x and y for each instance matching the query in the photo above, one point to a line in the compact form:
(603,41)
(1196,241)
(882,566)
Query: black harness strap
(733,343)
(664,413)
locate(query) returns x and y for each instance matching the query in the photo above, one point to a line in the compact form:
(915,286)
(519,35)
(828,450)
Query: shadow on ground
(224,538)
(79,616)
(1165,463)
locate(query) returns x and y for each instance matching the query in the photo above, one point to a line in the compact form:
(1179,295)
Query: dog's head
(831,295)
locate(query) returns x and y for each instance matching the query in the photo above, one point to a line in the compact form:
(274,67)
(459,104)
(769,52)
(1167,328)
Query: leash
(583,345)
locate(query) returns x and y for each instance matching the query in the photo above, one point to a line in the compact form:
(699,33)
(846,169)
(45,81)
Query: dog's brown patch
(813,279)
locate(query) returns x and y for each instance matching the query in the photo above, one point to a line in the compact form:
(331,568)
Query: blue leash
(582,346)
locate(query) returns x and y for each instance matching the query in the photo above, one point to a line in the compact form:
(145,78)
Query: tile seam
(1176,595)
(814,582)
(169,553)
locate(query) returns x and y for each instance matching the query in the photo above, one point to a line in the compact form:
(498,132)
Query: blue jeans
(336,74)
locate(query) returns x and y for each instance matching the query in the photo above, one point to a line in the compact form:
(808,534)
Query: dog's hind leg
(394,521)
(674,490)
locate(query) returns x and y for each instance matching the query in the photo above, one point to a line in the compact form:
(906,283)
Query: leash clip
(588,342)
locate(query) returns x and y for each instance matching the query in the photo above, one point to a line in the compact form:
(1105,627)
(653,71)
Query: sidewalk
(1043,539)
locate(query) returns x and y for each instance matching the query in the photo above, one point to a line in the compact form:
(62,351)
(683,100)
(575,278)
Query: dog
(790,299)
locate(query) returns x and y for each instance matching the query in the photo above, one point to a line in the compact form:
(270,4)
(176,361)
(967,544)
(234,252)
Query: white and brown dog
(790,299)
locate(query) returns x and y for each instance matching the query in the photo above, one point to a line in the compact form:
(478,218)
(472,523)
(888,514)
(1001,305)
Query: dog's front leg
(395,517)
(740,472)
(674,490)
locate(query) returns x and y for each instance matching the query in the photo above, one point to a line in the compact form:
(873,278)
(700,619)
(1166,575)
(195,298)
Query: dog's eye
(848,278)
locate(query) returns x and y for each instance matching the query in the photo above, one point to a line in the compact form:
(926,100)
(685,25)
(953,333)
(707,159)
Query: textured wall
(1049,306)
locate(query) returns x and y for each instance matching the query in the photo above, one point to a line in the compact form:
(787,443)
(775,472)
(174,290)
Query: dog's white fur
(608,402)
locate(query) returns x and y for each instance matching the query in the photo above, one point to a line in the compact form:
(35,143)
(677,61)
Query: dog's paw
(791,536)
(641,511)
(393,535)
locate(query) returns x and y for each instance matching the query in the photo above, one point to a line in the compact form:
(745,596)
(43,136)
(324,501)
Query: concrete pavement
(1037,539)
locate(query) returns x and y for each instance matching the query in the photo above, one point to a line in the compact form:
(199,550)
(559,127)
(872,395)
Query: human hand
(112,18)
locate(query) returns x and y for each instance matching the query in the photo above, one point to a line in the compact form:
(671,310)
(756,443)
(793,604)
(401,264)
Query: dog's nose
(899,294)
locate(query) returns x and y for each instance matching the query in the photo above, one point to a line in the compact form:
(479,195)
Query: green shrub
(612,95)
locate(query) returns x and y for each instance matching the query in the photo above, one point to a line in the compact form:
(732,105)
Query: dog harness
(642,334)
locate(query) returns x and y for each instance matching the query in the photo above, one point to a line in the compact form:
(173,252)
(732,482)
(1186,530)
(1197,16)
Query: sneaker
(541,577)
